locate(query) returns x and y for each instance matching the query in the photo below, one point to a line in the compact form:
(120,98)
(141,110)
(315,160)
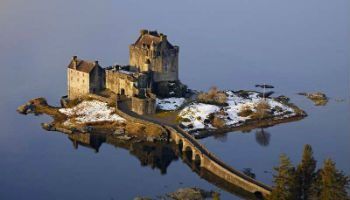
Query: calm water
(296,46)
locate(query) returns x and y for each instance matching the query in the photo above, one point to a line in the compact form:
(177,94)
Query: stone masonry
(152,71)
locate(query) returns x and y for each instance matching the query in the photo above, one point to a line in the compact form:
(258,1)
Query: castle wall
(143,106)
(97,80)
(163,62)
(78,83)
(120,83)
(167,69)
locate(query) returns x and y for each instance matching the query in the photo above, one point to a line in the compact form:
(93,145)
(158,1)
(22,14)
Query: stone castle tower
(153,53)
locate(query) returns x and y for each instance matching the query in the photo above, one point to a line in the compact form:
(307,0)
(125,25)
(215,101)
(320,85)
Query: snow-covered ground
(194,115)
(91,111)
(168,104)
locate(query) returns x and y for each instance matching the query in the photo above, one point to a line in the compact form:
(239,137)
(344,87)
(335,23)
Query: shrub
(245,111)
(263,110)
(218,122)
(213,96)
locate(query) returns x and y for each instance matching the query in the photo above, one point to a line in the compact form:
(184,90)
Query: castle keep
(152,71)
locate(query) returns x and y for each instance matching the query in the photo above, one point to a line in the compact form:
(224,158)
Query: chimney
(96,62)
(163,37)
(75,62)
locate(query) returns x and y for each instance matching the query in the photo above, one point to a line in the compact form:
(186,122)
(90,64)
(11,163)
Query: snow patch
(194,115)
(168,104)
(91,111)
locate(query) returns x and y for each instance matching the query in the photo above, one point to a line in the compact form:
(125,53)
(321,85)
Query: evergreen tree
(284,181)
(331,184)
(305,173)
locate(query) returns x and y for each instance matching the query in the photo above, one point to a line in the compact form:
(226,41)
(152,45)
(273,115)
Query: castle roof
(148,37)
(83,65)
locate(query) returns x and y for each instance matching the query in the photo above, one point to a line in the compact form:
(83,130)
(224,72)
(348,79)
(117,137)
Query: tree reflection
(262,137)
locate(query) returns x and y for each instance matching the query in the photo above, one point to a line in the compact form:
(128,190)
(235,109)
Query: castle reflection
(156,155)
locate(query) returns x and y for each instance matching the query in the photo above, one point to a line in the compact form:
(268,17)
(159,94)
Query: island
(146,101)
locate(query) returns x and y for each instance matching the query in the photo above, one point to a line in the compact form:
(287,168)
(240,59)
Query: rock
(186,194)
(64,101)
(47,126)
(142,198)
(282,99)
(319,98)
(38,101)
(22,109)
(29,107)
(264,86)
(191,194)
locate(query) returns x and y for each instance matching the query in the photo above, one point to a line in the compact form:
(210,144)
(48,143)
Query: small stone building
(120,80)
(84,77)
(143,105)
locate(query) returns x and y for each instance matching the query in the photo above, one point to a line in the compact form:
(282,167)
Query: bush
(218,122)
(213,96)
(245,111)
(263,110)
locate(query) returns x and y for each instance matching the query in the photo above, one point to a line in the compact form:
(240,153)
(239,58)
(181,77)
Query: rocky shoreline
(240,110)
(93,115)
(123,129)
(318,98)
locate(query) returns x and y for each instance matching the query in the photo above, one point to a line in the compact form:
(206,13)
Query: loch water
(297,46)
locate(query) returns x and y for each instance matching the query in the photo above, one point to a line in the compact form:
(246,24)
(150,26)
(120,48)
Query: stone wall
(143,106)
(78,83)
(211,163)
(121,83)
(97,80)
(163,62)
(82,83)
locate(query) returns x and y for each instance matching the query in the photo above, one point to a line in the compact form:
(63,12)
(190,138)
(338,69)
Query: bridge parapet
(213,164)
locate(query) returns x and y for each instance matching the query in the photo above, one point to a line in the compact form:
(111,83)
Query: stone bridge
(203,158)
(200,156)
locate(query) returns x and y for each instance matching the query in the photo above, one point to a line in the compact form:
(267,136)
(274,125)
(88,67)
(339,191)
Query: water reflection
(156,155)
(153,154)
(262,137)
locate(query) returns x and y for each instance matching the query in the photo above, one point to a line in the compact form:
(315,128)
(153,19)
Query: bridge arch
(258,195)
(180,145)
(188,153)
(197,161)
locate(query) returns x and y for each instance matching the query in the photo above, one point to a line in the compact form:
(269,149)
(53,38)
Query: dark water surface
(294,45)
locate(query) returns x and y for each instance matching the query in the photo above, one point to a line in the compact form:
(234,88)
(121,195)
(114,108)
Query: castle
(153,71)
